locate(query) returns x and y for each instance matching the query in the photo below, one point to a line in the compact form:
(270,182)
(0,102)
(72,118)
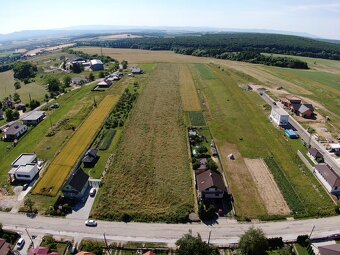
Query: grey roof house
(315,154)
(34,118)
(329,178)
(76,185)
(15,131)
(90,159)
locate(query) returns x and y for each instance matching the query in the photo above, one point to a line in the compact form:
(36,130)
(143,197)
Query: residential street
(223,232)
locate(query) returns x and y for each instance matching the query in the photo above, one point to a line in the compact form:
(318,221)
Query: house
(136,70)
(24,168)
(1,114)
(41,251)
(15,131)
(20,107)
(78,81)
(332,249)
(104,84)
(315,155)
(76,186)
(34,118)
(328,177)
(290,133)
(90,159)
(210,184)
(96,65)
(279,116)
(289,100)
(5,248)
(303,110)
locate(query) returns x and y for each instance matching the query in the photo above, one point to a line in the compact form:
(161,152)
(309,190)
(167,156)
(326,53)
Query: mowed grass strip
(189,96)
(63,163)
(150,178)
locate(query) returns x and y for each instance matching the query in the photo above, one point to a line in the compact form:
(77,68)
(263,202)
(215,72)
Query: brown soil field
(246,196)
(134,56)
(267,187)
(150,178)
(188,91)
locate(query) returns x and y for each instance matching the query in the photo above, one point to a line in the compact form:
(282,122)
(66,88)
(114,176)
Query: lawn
(190,100)
(237,119)
(196,119)
(150,178)
(301,250)
(69,155)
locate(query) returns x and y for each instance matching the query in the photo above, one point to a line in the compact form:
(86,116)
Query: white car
(93,192)
(20,243)
(91,223)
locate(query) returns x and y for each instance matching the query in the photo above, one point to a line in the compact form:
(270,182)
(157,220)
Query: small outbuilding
(104,84)
(136,70)
(279,116)
(331,249)
(91,158)
(14,132)
(33,118)
(78,81)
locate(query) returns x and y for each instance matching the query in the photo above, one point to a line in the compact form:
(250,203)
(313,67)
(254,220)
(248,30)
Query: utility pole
(311,232)
(107,246)
(101,50)
(29,237)
(29,94)
(50,120)
(209,237)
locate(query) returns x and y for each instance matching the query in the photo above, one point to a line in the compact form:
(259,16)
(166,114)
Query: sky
(320,18)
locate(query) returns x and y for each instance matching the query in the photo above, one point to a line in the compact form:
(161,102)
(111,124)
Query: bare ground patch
(247,200)
(267,187)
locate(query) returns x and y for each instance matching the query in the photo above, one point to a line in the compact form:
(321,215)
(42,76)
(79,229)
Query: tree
(212,165)
(29,204)
(190,245)
(53,84)
(93,246)
(253,242)
(16,115)
(9,115)
(101,74)
(50,242)
(124,64)
(77,68)
(17,85)
(16,98)
(67,80)
(24,70)
(34,104)
(91,77)
(202,149)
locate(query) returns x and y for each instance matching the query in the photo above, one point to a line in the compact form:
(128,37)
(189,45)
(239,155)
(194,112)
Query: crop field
(134,56)
(63,163)
(197,119)
(237,119)
(190,100)
(150,178)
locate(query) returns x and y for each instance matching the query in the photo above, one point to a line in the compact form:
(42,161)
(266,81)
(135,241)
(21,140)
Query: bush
(302,240)
(275,243)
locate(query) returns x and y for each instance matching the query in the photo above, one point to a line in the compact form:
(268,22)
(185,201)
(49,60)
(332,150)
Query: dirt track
(268,189)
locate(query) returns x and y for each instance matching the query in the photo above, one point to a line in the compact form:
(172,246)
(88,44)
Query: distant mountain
(330,41)
(105,29)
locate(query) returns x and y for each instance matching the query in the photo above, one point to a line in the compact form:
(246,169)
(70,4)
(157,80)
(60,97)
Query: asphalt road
(223,232)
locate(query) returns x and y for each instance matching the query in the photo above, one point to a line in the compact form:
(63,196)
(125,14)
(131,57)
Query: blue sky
(321,18)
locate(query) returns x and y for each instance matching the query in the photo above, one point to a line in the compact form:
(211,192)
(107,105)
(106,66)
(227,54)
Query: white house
(279,116)
(34,118)
(328,177)
(24,168)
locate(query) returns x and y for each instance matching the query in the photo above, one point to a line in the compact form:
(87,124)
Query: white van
(20,243)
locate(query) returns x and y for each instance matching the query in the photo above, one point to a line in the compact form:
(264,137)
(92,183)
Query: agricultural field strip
(72,151)
(190,100)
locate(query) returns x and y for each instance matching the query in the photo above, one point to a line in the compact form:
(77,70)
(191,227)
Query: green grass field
(150,179)
(237,117)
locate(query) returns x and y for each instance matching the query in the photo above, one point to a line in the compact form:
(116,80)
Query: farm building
(210,184)
(34,118)
(331,249)
(90,159)
(290,100)
(328,177)
(315,155)
(77,81)
(303,110)
(136,70)
(279,116)
(24,168)
(5,248)
(1,114)
(76,185)
(290,133)
(104,84)
(96,65)
(15,131)
(41,251)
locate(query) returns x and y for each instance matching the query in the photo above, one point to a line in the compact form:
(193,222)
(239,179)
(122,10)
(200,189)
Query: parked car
(91,223)
(20,243)
(25,186)
(93,192)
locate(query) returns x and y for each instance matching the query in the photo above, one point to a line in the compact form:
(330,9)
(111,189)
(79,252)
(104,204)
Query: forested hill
(214,45)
